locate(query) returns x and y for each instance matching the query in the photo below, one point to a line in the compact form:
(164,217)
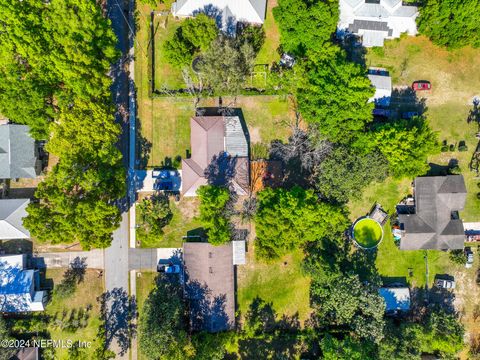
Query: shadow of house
(220,152)
(209,286)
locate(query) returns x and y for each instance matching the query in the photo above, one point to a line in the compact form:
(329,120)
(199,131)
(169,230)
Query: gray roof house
(19,286)
(209,285)
(18,153)
(226,12)
(382,82)
(433,221)
(219,155)
(12,212)
(376,20)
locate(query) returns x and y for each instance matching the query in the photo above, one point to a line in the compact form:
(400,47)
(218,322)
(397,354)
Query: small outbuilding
(382,82)
(397,299)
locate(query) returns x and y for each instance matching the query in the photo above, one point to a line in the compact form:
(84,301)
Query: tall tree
(345,173)
(306,27)
(406,144)
(287,219)
(162,330)
(214,201)
(345,304)
(335,98)
(225,66)
(451,23)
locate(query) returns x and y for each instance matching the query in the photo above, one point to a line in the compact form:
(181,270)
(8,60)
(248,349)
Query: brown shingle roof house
(209,285)
(433,222)
(219,154)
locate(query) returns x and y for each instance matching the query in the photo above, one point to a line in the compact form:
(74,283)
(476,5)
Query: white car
(469,254)
(445,284)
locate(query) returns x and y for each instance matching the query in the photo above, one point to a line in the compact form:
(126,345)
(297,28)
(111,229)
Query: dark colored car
(421,85)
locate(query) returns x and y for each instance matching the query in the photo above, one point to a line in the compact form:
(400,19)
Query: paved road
(116,256)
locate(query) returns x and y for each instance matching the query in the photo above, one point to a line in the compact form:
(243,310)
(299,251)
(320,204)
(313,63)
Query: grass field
(395,263)
(268,54)
(281,282)
(85,295)
(184,219)
(454,84)
(145,284)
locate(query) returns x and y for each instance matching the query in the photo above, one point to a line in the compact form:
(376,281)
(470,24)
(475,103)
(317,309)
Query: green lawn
(85,296)
(268,53)
(367,233)
(165,123)
(166,76)
(281,282)
(454,84)
(395,263)
(145,284)
(184,219)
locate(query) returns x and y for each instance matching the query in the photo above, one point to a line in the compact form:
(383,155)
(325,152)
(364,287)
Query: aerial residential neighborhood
(240,179)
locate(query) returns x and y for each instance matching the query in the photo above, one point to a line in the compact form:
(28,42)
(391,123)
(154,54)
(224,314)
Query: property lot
(280,282)
(75,317)
(447,106)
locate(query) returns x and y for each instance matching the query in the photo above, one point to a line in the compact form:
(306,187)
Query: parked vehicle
(421,85)
(410,114)
(168,268)
(445,283)
(469,255)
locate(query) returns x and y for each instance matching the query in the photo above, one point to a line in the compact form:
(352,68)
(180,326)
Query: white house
(19,286)
(227,13)
(12,212)
(382,82)
(376,20)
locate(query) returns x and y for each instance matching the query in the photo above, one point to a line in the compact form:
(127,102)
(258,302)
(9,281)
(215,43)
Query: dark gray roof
(209,285)
(17,152)
(369,25)
(435,224)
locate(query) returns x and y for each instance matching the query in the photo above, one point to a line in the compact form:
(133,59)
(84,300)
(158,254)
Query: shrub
(457,257)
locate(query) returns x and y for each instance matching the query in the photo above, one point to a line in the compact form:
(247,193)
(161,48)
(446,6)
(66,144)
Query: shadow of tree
(117,310)
(221,170)
(264,336)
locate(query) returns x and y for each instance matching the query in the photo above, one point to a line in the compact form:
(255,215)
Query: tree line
(54,66)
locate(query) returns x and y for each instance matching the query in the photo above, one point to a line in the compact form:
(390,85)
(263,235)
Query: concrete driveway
(93,259)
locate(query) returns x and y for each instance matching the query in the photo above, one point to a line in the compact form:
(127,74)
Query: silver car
(445,283)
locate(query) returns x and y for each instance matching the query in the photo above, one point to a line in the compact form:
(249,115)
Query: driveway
(147,259)
(93,259)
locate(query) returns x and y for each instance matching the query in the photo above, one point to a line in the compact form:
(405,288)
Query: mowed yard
(455,82)
(280,282)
